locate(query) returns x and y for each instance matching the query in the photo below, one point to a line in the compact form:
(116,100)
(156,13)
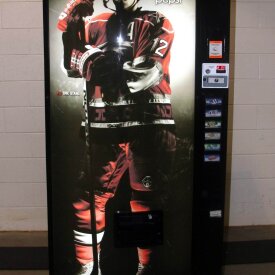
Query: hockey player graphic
(124,58)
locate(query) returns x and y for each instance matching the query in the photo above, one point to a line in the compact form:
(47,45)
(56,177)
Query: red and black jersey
(143,41)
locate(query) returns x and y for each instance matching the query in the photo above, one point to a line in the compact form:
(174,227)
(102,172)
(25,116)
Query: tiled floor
(254,269)
(25,272)
(235,234)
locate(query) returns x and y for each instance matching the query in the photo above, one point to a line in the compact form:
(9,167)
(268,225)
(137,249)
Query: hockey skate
(87,269)
(145,270)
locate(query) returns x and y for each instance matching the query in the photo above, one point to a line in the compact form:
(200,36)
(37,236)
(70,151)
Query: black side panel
(209,177)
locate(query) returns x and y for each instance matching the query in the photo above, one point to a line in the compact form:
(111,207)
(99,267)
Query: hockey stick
(91,185)
(89,175)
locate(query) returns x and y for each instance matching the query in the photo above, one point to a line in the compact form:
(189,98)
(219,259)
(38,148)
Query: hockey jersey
(142,40)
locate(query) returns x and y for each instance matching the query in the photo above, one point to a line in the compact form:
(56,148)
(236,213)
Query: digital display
(221,69)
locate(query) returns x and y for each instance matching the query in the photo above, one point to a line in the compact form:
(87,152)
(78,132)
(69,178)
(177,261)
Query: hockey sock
(144,254)
(84,254)
(82,233)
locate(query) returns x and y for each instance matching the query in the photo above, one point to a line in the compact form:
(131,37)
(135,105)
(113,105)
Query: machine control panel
(215,75)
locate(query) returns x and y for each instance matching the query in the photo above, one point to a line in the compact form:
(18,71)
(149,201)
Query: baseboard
(249,252)
(24,258)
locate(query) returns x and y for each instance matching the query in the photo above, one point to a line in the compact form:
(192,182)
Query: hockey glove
(73,41)
(106,70)
(101,68)
(74,11)
(72,25)
(142,74)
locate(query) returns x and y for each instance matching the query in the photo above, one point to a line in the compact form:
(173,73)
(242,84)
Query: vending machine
(136,122)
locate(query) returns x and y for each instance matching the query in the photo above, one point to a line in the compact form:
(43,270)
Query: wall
(22,141)
(252,92)
(251,169)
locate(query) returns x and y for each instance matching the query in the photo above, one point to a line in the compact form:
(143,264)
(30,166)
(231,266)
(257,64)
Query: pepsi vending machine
(136,120)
